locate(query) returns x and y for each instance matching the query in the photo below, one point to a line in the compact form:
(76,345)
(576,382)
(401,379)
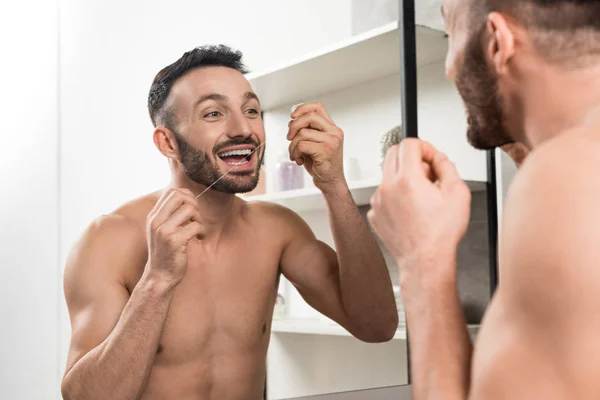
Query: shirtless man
(171,296)
(528,72)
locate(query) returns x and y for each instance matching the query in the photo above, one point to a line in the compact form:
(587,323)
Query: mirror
(358,81)
(107,158)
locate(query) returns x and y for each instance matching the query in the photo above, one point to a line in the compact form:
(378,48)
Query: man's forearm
(440,346)
(365,281)
(120,366)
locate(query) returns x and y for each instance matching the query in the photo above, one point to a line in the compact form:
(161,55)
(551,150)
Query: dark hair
(561,29)
(200,57)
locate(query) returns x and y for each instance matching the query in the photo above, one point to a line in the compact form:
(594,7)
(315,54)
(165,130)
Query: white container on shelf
(351,169)
(288,175)
(399,306)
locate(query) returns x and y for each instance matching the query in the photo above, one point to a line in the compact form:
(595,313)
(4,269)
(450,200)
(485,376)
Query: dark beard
(200,168)
(479,91)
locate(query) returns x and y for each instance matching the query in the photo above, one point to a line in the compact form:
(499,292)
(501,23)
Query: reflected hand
(317,143)
(421,209)
(171,225)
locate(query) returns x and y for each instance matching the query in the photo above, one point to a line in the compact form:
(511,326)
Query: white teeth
(244,152)
(239,163)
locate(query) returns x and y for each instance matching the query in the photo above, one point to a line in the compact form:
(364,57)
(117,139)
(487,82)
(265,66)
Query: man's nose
(240,126)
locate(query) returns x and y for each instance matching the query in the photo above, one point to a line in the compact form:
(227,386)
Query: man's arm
(352,287)
(440,345)
(114,335)
(421,213)
(441,348)
(547,309)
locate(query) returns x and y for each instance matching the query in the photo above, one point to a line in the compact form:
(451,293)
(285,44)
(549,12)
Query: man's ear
(501,46)
(164,140)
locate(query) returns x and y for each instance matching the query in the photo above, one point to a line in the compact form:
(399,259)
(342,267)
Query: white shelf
(318,327)
(308,199)
(312,199)
(359,59)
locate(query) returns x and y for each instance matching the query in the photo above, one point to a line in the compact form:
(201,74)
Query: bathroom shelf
(312,199)
(319,327)
(361,58)
(309,199)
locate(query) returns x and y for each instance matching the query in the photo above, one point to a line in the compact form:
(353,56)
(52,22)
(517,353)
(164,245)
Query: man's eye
(446,36)
(213,114)
(253,111)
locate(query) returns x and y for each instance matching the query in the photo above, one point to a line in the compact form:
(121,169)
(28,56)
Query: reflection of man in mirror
(529,74)
(171,296)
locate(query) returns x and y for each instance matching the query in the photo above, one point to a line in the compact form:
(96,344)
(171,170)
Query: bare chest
(224,305)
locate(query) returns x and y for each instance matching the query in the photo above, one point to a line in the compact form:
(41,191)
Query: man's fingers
(429,173)
(390,163)
(315,107)
(444,170)
(311,120)
(181,216)
(305,134)
(304,147)
(166,193)
(310,135)
(412,153)
(190,230)
(173,201)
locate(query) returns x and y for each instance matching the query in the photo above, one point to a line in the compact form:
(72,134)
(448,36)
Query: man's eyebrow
(251,96)
(222,98)
(442,10)
(210,96)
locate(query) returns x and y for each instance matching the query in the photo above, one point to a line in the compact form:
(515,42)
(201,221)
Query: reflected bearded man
(171,296)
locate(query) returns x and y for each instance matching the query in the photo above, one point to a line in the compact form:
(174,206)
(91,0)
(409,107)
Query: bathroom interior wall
(29,277)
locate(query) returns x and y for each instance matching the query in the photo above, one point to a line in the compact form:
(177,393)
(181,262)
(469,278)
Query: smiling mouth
(236,157)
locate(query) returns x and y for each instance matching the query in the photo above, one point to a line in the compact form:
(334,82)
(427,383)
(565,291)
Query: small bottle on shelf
(279,310)
(288,175)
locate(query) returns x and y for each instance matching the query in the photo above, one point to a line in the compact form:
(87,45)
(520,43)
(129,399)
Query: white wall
(110,52)
(29,283)
(506,170)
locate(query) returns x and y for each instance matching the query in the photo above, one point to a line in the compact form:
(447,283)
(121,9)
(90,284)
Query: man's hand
(172,224)
(317,143)
(421,208)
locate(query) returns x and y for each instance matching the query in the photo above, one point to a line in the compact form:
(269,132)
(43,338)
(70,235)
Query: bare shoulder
(549,243)
(104,251)
(568,160)
(556,194)
(278,218)
(539,337)
(122,230)
(112,244)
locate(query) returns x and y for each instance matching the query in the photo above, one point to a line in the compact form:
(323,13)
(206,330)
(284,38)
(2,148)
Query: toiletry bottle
(288,175)
(279,310)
